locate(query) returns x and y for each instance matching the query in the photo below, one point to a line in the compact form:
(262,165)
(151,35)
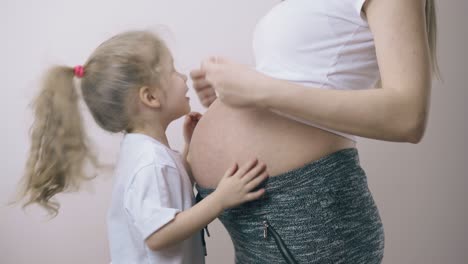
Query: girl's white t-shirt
(151,187)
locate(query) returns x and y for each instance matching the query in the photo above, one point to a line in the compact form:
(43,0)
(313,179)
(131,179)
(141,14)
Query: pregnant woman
(300,110)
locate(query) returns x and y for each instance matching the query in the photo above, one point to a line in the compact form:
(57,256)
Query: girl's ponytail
(59,149)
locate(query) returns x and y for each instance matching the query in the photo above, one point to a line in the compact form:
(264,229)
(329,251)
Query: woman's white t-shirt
(151,187)
(324,44)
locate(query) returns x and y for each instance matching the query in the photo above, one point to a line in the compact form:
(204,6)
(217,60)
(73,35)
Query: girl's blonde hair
(59,150)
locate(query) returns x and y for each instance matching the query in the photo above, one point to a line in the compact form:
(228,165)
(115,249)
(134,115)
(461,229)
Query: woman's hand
(205,91)
(191,121)
(237,184)
(236,84)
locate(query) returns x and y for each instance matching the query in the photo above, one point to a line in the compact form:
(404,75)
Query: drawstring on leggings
(287,255)
(198,198)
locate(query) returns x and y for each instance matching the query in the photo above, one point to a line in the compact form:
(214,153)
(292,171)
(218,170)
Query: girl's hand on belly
(237,184)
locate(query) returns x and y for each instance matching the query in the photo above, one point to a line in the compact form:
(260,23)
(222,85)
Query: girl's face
(176,102)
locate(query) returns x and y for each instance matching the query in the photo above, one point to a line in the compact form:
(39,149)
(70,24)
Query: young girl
(130,85)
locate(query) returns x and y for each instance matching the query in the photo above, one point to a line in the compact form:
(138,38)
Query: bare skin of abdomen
(227,135)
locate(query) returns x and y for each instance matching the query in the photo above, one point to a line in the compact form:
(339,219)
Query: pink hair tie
(79,71)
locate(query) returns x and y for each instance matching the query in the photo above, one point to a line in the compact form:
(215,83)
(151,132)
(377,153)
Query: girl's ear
(149,97)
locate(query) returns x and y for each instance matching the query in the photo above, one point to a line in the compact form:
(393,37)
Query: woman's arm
(396,112)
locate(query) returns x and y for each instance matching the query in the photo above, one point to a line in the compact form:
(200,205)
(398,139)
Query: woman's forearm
(384,114)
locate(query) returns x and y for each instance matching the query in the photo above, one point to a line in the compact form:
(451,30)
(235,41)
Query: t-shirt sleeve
(358,5)
(147,200)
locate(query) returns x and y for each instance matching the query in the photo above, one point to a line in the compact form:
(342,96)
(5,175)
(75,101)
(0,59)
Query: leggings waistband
(322,169)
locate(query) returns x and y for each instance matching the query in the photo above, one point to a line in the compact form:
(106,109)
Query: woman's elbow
(414,130)
(415,136)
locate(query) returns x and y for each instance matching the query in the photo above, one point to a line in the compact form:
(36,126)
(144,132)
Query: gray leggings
(320,213)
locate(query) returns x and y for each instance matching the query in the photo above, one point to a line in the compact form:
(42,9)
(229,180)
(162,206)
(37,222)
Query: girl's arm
(234,188)
(191,121)
(395,112)
(187,163)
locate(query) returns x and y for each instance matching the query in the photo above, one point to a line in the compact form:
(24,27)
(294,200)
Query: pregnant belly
(226,135)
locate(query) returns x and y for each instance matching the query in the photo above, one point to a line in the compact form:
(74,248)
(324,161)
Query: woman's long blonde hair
(431,27)
(59,149)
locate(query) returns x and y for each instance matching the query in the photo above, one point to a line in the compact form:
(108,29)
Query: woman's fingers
(206,102)
(217,60)
(200,84)
(210,64)
(197,74)
(207,65)
(205,92)
(207,97)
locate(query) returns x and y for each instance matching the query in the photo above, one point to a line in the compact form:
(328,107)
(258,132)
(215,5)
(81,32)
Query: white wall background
(420,189)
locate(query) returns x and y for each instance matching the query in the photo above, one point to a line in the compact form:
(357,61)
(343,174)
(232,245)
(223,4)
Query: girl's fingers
(254,195)
(196,117)
(190,119)
(231,171)
(187,120)
(254,172)
(246,167)
(256,181)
